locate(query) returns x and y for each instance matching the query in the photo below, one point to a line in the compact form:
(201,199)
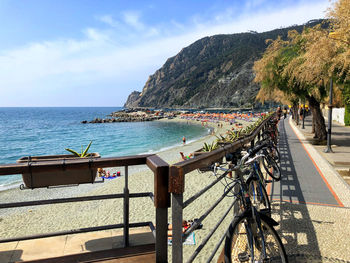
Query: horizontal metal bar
(74,231)
(151,195)
(199,221)
(153,229)
(197,195)
(205,241)
(73,199)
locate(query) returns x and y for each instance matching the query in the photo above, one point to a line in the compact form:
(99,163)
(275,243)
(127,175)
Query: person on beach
(186,157)
(185,226)
(184,140)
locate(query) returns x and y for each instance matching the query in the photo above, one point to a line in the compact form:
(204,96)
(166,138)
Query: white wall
(337,114)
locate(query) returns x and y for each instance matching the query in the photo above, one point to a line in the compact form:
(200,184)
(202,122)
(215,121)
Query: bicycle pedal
(243,257)
(268,181)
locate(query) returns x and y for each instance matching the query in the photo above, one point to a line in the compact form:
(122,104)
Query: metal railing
(177,176)
(161,196)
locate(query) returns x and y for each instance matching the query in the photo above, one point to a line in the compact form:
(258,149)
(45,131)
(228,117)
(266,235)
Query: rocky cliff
(213,72)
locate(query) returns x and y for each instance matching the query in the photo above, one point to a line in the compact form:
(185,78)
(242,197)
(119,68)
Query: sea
(32,131)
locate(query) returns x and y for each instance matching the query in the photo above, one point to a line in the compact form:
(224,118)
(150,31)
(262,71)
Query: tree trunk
(295,113)
(318,119)
(313,125)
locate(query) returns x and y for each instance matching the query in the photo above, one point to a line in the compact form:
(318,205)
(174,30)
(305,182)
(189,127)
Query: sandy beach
(52,218)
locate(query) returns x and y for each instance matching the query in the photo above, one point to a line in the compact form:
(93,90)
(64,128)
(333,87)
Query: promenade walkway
(311,202)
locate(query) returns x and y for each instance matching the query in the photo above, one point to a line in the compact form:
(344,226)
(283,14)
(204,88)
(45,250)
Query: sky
(95,53)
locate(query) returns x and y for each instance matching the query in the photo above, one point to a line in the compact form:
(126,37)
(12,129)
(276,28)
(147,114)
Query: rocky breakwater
(129,116)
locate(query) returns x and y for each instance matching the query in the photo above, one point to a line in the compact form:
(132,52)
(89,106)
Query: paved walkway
(340,144)
(302,181)
(311,203)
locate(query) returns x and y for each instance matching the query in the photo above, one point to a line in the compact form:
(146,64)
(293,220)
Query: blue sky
(94,53)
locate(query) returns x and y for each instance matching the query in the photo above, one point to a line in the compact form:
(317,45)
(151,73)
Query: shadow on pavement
(296,227)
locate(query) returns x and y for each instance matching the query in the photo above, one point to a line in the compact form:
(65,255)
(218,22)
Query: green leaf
(73,152)
(84,154)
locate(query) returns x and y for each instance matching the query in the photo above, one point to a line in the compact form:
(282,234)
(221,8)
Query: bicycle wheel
(274,153)
(245,242)
(271,167)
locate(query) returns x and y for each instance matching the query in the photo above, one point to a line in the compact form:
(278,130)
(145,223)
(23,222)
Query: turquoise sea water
(47,131)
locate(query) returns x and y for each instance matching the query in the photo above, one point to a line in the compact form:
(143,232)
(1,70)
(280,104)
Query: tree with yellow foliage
(339,16)
(303,65)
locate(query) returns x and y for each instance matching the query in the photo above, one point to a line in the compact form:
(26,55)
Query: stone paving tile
(320,232)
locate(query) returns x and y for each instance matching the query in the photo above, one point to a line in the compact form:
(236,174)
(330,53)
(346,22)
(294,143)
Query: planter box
(68,177)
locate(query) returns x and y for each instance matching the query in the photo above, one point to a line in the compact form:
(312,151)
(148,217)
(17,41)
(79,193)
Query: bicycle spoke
(264,239)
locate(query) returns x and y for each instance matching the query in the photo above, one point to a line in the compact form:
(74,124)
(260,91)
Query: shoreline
(17,183)
(170,154)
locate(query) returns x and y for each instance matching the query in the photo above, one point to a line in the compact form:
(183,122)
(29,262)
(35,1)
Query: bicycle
(257,183)
(251,235)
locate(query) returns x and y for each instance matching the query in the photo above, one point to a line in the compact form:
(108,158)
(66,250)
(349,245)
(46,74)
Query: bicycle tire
(237,248)
(274,153)
(272,168)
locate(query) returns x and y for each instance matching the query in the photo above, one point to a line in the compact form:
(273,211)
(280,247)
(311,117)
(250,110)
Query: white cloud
(132,19)
(104,71)
(108,19)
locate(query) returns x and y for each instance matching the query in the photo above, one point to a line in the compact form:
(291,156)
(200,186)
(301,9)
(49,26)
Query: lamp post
(329,131)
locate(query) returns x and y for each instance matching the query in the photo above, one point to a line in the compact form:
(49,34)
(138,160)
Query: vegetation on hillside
(212,72)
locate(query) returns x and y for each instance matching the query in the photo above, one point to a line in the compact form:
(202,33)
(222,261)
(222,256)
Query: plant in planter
(208,147)
(231,136)
(65,177)
(84,153)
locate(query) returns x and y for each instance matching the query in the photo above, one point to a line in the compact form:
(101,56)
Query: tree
(281,68)
(339,16)
(302,66)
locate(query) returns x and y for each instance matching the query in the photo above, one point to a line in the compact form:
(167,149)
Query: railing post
(177,188)
(160,169)
(162,202)
(126,209)
(177,214)
(161,234)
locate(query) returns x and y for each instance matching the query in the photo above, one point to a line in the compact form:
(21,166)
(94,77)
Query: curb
(337,183)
